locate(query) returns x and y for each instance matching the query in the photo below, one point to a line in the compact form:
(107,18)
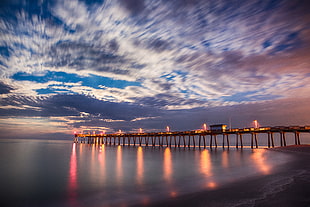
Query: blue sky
(128,64)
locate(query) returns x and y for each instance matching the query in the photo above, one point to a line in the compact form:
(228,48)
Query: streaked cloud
(110,62)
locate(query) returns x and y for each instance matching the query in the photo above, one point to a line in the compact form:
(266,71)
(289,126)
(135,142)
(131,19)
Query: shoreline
(288,187)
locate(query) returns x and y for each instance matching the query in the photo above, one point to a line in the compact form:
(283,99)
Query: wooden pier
(197,138)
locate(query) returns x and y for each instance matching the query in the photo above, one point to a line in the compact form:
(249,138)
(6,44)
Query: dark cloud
(5,89)
(163,100)
(84,56)
(72,105)
(155,44)
(133,6)
(159,45)
(291,42)
(109,110)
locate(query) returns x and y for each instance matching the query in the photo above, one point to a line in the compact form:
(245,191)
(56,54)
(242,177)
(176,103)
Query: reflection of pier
(195,138)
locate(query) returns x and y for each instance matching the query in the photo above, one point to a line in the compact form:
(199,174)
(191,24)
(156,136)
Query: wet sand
(288,186)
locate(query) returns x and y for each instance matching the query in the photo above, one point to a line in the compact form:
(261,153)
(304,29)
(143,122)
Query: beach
(289,186)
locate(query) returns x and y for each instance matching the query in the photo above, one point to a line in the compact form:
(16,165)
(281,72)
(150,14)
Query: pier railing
(199,138)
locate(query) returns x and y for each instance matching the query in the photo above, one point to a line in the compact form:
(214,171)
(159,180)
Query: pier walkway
(196,138)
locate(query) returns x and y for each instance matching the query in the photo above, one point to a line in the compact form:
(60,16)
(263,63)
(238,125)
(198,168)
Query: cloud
(133,6)
(127,60)
(5,89)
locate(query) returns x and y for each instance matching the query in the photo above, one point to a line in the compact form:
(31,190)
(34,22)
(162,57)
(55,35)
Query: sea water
(62,173)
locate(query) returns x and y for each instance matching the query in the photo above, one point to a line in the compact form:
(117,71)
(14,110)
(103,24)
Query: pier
(197,138)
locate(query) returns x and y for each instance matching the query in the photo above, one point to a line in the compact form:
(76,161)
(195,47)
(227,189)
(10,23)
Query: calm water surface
(60,173)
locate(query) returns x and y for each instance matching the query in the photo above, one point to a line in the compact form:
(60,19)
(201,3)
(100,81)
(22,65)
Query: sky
(109,65)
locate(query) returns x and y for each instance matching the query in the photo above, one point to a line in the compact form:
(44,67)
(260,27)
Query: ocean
(62,173)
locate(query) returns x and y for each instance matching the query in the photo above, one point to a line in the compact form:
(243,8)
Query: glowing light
(204,127)
(119,131)
(140,130)
(173,194)
(256,125)
(168,129)
(212,185)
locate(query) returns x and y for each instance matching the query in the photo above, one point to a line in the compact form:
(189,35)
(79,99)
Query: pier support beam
(215,140)
(184,143)
(175,140)
(237,140)
(256,143)
(297,138)
(282,138)
(227,139)
(204,141)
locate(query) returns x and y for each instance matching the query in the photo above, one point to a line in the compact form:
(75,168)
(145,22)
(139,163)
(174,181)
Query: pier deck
(195,138)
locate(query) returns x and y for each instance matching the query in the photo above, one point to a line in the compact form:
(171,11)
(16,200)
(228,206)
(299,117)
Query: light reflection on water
(140,166)
(136,171)
(119,166)
(260,161)
(73,177)
(167,165)
(82,174)
(206,168)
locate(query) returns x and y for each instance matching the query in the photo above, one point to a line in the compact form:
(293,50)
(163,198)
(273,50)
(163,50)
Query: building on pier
(218,128)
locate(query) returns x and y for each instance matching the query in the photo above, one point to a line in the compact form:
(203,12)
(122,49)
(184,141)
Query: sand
(288,186)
